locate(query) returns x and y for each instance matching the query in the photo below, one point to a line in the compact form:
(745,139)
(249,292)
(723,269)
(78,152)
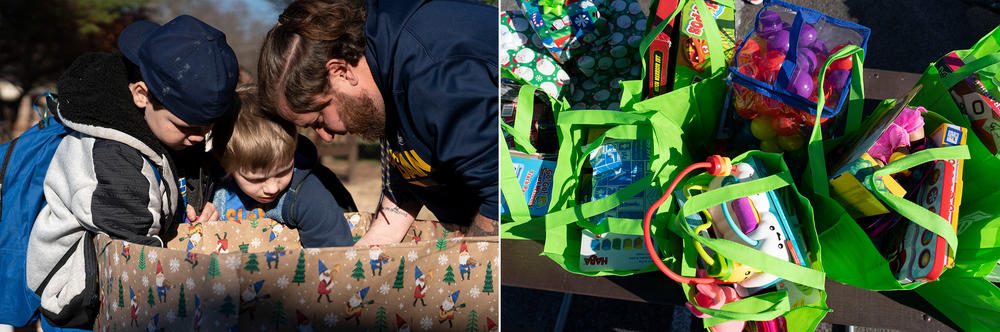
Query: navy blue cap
(186,64)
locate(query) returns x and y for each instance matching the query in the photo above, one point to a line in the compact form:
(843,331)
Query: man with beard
(420,77)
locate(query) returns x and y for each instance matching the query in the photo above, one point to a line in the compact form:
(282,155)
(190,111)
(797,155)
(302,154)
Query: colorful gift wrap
(522,53)
(692,50)
(565,28)
(604,65)
(252,275)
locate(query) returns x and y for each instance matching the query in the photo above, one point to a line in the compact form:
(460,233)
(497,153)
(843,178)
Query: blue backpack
(22,171)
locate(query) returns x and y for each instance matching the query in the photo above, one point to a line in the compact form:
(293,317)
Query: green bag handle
(511,189)
(968,69)
(916,213)
(627,127)
(815,146)
(762,307)
(737,252)
(711,31)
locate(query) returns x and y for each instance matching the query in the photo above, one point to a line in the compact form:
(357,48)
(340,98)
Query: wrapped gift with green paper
(604,65)
(522,53)
(565,28)
(692,50)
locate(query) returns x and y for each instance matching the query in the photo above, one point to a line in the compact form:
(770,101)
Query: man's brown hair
(292,63)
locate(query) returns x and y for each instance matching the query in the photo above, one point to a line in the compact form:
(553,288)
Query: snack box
(979,105)
(926,255)
(534,173)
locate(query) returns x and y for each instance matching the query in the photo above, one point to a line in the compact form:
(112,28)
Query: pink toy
(898,134)
(713,296)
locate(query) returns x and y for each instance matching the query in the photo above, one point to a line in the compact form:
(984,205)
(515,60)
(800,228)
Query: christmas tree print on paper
(380,322)
(181,307)
(121,294)
(142,259)
(488,283)
(358,273)
(398,284)
(151,300)
(278,315)
(300,269)
(227,307)
(449,275)
(213,267)
(442,244)
(252,264)
(244,248)
(472,325)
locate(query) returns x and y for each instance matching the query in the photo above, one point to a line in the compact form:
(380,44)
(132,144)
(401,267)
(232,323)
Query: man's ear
(140,94)
(338,69)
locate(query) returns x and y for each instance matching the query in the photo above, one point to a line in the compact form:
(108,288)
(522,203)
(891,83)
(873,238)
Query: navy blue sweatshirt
(435,63)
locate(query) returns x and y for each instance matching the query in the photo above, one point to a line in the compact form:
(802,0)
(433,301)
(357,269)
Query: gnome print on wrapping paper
(448,308)
(251,298)
(161,283)
(197,314)
(133,307)
(376,259)
(272,256)
(355,304)
(491,326)
(304,324)
(126,250)
(416,236)
(325,283)
(275,228)
(222,246)
(465,262)
(420,289)
(193,235)
(153,323)
(401,325)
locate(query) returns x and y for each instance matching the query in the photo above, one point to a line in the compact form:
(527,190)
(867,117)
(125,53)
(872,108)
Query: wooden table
(899,310)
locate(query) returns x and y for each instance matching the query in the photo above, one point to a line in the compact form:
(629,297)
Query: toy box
(925,255)
(979,105)
(658,54)
(692,47)
(534,173)
(612,251)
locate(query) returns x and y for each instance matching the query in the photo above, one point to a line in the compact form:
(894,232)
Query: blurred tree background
(40,39)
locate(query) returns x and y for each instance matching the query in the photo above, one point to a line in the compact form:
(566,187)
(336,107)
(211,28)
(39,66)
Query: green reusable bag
(961,293)
(856,261)
(663,121)
(805,306)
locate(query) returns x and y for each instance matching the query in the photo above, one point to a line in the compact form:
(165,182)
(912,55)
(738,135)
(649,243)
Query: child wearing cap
(114,172)
(270,172)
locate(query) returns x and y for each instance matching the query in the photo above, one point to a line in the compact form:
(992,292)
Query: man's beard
(361,116)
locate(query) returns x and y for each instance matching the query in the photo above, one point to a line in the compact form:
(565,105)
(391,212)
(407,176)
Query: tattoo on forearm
(396,210)
(487,228)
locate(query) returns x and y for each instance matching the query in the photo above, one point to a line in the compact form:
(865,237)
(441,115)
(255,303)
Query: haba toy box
(252,275)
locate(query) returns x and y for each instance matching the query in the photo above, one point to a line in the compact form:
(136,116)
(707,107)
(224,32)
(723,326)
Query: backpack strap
(3,170)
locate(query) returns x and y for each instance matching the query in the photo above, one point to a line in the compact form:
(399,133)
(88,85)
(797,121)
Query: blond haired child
(270,173)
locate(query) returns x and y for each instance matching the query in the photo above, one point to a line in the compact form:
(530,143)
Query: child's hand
(209,213)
